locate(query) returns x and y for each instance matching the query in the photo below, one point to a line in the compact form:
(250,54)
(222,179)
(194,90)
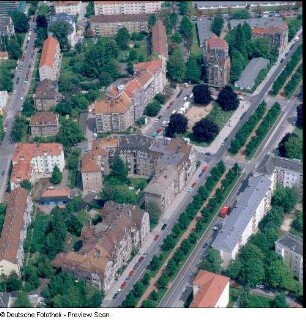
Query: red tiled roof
(89,163)
(159,39)
(151,66)
(120,105)
(211,286)
(65,3)
(48,52)
(44,118)
(216,42)
(13,224)
(49,193)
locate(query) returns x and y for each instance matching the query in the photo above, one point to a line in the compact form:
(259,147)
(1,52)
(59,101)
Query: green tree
(13,283)
(212,262)
(43,10)
(178,124)
(26,184)
(170,22)
(299,118)
(162,282)
(22,301)
(177,38)
(297,223)
(217,24)
(228,99)
(176,67)
(28,108)
(153,295)
(61,30)
(14,49)
(241,14)
(119,170)
(160,98)
(185,30)
(259,47)
(63,108)
(20,22)
(280,301)
(122,38)
(193,70)
(119,194)
(90,10)
(155,263)
(245,299)
(145,279)
(152,108)
(294,148)
(240,41)
(286,198)
(183,7)
(154,212)
(152,20)
(147,304)
(205,130)
(20,128)
(201,94)
(70,133)
(57,176)
(277,274)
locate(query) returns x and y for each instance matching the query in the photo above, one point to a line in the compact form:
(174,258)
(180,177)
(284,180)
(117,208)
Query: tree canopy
(20,22)
(152,109)
(201,94)
(228,99)
(178,124)
(22,301)
(122,38)
(286,198)
(61,30)
(299,119)
(205,130)
(212,262)
(217,24)
(176,67)
(57,176)
(193,70)
(185,30)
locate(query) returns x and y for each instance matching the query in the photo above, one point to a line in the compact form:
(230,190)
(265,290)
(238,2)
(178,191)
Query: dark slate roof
(270,162)
(292,243)
(135,142)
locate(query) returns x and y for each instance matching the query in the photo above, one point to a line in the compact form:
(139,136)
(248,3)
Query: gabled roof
(211,287)
(48,52)
(46,89)
(89,163)
(159,39)
(108,106)
(50,193)
(214,42)
(44,119)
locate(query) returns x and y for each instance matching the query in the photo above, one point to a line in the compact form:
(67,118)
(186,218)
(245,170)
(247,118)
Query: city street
(20,91)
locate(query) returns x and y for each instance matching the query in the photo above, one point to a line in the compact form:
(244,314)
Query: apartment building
(275,29)
(69,20)
(46,95)
(127,98)
(290,247)
(6,26)
(107,246)
(14,231)
(159,40)
(251,206)
(210,290)
(44,124)
(218,61)
(108,25)
(69,7)
(126,7)
(33,161)
(50,61)
(282,171)
(175,164)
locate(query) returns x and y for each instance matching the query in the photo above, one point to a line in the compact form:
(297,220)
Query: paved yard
(194,114)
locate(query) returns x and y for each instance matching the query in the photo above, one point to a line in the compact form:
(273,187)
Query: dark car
(164,226)
(282,61)
(115,295)
(159,116)
(205,245)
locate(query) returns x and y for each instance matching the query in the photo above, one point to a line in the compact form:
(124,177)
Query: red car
(159,130)
(156,237)
(140,259)
(131,273)
(123,284)
(193,185)
(204,168)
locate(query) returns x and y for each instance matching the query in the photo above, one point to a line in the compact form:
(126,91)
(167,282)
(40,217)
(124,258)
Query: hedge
(294,82)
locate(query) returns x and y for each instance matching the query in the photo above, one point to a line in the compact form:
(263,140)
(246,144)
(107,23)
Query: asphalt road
(20,91)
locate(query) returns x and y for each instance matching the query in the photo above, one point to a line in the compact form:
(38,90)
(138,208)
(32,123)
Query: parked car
(159,116)
(205,245)
(140,259)
(159,130)
(204,168)
(190,189)
(194,184)
(201,174)
(156,237)
(131,273)
(136,266)
(115,295)
(164,226)
(123,284)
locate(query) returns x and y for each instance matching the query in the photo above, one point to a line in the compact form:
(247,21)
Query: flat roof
(238,4)
(242,213)
(292,243)
(250,73)
(204,32)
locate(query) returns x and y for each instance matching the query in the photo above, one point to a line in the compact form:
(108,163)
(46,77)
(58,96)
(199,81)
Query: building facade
(218,61)
(290,247)
(108,25)
(126,7)
(46,95)
(69,7)
(6,26)
(32,161)
(251,206)
(14,231)
(50,61)
(108,246)
(91,173)
(44,124)
(210,290)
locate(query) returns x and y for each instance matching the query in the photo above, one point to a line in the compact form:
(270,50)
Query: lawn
(35,75)
(195,49)
(299,132)
(219,116)
(258,301)
(40,225)
(139,183)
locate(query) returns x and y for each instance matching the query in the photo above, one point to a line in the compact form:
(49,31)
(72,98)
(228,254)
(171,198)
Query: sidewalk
(226,130)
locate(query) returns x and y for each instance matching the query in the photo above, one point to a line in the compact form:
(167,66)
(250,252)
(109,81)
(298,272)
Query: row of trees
(295,80)
(257,262)
(281,79)
(152,109)
(13,45)
(7,75)
(169,242)
(263,129)
(299,116)
(293,26)
(291,146)
(244,132)
(217,24)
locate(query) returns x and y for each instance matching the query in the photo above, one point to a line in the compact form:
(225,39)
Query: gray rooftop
(292,243)
(62,17)
(204,25)
(250,73)
(259,22)
(247,203)
(271,161)
(135,142)
(226,4)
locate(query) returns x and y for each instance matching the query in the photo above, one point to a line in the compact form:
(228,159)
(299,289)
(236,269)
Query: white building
(32,161)
(50,61)
(69,7)
(3,99)
(126,7)
(282,171)
(210,290)
(290,247)
(250,208)
(17,219)
(64,17)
